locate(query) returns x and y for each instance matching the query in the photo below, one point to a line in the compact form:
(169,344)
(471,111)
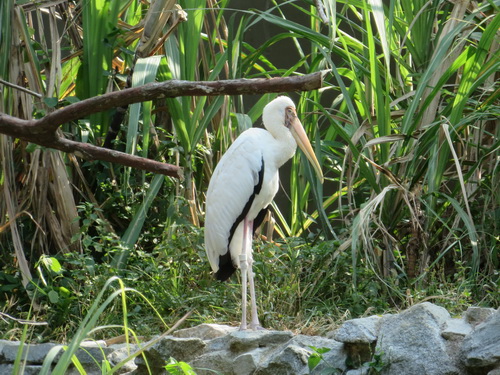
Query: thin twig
(22,321)
(321,11)
(20,88)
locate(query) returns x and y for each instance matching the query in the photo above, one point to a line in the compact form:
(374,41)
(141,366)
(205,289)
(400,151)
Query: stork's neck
(285,146)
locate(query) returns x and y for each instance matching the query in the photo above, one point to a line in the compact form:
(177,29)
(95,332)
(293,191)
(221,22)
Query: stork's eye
(288,117)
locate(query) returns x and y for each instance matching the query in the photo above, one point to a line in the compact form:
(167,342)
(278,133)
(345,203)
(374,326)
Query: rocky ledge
(423,340)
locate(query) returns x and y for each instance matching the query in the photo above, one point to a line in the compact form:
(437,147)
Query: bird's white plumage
(244,182)
(236,175)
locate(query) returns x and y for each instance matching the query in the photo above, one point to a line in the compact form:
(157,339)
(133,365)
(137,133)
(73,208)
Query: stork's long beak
(298,132)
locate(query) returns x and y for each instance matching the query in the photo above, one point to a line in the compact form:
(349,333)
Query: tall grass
(406,109)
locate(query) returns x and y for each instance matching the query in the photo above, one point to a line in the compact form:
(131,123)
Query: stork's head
(280,116)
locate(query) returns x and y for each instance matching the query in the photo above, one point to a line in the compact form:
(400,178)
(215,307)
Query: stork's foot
(257,327)
(252,327)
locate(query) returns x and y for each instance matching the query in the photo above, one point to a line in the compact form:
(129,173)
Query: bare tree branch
(44,131)
(91,152)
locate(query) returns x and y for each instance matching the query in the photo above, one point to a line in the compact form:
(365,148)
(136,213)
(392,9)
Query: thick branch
(175,88)
(88,151)
(44,131)
(18,128)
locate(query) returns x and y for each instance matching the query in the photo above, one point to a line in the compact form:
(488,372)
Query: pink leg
(246,263)
(247,230)
(254,325)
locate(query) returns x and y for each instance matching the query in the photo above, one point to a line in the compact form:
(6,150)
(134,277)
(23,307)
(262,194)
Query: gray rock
(316,341)
(205,331)
(291,360)
(421,340)
(247,363)
(242,341)
(365,370)
(209,362)
(363,330)
(181,349)
(249,352)
(121,352)
(476,315)
(93,344)
(335,358)
(359,337)
(217,344)
(91,354)
(263,352)
(32,354)
(481,348)
(411,343)
(25,370)
(456,329)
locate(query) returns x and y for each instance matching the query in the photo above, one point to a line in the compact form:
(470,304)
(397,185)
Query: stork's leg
(247,238)
(254,324)
(246,266)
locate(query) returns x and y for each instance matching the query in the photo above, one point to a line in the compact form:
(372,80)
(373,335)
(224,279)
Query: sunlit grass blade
(473,66)
(69,71)
(377,89)
(326,204)
(377,10)
(471,230)
(87,324)
(281,223)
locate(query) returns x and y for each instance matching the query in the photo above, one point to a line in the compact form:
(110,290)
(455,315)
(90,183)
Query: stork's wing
(236,181)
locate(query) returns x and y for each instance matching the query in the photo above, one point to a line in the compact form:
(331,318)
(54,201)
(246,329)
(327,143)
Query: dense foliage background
(406,129)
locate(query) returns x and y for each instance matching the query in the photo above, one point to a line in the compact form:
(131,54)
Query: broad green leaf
(144,72)
(53,296)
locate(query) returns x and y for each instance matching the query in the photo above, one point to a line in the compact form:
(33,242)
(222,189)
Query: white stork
(243,185)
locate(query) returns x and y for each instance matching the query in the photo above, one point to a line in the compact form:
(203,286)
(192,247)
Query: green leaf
(64,292)
(31,147)
(72,99)
(51,264)
(175,367)
(51,102)
(53,296)
(55,266)
(313,361)
(316,357)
